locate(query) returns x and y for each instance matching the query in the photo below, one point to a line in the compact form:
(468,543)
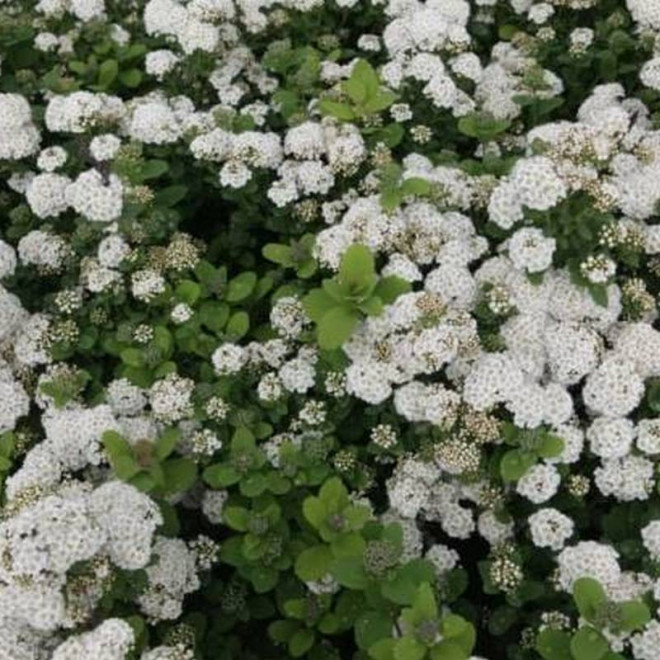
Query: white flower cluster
(169,579)
(109,641)
(44,540)
(19,137)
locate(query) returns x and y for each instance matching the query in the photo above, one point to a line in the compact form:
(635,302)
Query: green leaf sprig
(354,293)
(364,94)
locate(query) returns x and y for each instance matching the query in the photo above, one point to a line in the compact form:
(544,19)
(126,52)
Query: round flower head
(104,147)
(530,250)
(95,197)
(7,259)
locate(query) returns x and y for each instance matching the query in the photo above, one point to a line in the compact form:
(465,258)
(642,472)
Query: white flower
(147,284)
(7,259)
(19,137)
(111,640)
(550,528)
(170,578)
(171,398)
(651,538)
(96,198)
(530,250)
(588,559)
(228,358)
(539,484)
(159,63)
(104,147)
(46,194)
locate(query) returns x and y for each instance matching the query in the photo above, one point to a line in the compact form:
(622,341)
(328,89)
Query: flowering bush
(328,329)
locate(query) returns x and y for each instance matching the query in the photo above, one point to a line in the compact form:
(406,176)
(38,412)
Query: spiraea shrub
(329,329)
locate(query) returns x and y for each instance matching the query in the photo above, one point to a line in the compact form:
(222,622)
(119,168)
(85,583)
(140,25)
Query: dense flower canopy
(329,329)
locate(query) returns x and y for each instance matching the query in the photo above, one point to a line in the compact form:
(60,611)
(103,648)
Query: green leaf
(107,73)
(166,443)
(214,315)
(131,78)
(279,254)
(180,474)
(372,306)
(314,511)
(403,587)
(238,325)
(221,475)
(336,327)
(588,644)
(391,135)
(243,440)
(454,626)
(356,516)
(355,89)
(349,573)
(501,620)
(165,368)
(163,340)
(170,195)
(448,651)
(295,608)
(171,526)
(241,286)
(390,288)
(317,303)
(515,464)
(371,627)
(334,495)
(507,31)
(380,102)
(350,544)
(288,102)
(312,563)
(415,186)
(364,73)
(301,642)
(341,111)
(357,265)
(137,623)
(141,377)
(553,644)
(253,486)
(264,579)
(390,198)
(424,603)
(383,650)
(282,631)
(408,648)
(143,481)
(588,594)
(336,291)
(78,67)
(277,484)
(153,169)
(482,126)
(635,615)
(329,624)
(599,294)
(188,291)
(116,445)
(132,357)
(125,467)
(551,446)
(236,517)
